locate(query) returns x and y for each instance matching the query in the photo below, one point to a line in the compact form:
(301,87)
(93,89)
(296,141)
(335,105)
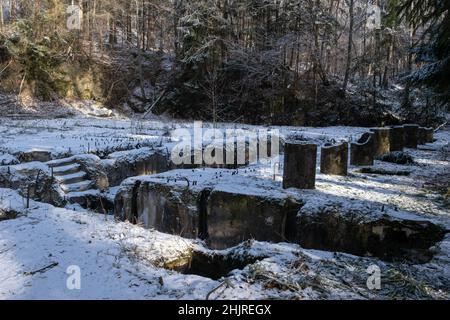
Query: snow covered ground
(90,134)
(124,261)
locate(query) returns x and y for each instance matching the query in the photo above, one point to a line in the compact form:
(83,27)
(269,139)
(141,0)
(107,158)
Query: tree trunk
(349,47)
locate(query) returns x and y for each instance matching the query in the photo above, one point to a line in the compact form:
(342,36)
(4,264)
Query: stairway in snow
(68,173)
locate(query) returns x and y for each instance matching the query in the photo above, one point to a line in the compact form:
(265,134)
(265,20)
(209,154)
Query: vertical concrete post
(397,137)
(381,141)
(429,135)
(362,150)
(334,159)
(422,136)
(300,160)
(411,135)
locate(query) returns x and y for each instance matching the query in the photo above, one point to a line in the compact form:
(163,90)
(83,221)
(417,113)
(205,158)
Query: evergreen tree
(434,50)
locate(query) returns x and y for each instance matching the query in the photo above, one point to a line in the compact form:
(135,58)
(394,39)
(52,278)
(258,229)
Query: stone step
(61,163)
(77,187)
(72,178)
(67,170)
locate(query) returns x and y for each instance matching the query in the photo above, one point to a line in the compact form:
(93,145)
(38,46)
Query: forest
(298,62)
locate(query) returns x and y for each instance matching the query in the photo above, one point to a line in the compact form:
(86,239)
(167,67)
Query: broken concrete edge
(93,200)
(169,205)
(378,231)
(7,159)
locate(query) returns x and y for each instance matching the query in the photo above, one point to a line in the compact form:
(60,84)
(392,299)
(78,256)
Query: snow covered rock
(397,138)
(362,153)
(91,164)
(382,141)
(8,214)
(7,159)
(33,178)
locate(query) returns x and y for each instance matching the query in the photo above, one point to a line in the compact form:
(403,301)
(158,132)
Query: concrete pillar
(411,135)
(426,135)
(300,160)
(382,141)
(397,138)
(362,150)
(422,136)
(429,135)
(334,159)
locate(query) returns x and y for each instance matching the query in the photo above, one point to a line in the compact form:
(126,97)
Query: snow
(66,137)
(99,247)
(124,261)
(117,260)
(7,159)
(401,197)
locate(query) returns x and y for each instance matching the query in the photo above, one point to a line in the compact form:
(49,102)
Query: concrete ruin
(79,173)
(222,217)
(397,138)
(33,180)
(300,160)
(120,166)
(334,159)
(382,142)
(426,135)
(347,229)
(411,135)
(362,153)
(222,211)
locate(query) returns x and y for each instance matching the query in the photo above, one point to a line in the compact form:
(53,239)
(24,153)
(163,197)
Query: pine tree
(434,52)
